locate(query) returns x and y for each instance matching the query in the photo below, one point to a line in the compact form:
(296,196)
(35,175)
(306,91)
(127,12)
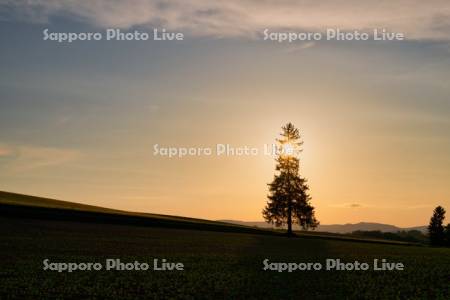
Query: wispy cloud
(5,151)
(348,205)
(373,206)
(26,158)
(418,19)
(297,48)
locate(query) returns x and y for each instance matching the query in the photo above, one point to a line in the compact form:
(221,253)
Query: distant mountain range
(338,228)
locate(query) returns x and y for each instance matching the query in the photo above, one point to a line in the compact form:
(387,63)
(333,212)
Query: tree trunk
(289,220)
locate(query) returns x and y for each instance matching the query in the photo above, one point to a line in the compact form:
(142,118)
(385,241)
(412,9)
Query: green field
(221,261)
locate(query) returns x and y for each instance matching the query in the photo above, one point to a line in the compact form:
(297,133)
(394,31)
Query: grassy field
(218,264)
(40,202)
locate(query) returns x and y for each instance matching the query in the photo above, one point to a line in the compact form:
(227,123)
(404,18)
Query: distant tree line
(439,234)
(412,236)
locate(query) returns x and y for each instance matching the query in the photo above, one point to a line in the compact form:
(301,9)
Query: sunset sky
(78,121)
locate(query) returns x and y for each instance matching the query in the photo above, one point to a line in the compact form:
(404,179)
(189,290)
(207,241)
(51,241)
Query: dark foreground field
(217,265)
(221,261)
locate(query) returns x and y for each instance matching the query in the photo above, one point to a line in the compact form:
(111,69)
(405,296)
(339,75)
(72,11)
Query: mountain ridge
(338,228)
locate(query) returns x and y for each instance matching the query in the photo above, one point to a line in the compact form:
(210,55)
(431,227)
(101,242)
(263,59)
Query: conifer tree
(447,235)
(289,200)
(436,227)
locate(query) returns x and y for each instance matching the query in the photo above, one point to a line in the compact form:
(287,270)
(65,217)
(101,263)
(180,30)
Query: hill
(20,200)
(221,261)
(337,228)
(13,205)
(25,206)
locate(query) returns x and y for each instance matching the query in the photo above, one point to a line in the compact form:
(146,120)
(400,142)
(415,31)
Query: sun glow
(289,149)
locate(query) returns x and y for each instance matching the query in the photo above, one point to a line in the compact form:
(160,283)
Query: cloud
(380,206)
(418,19)
(301,46)
(27,158)
(153,108)
(5,151)
(348,205)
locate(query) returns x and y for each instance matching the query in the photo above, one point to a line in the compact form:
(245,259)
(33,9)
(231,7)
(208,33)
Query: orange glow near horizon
(375,149)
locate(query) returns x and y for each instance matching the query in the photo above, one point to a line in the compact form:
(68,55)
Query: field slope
(25,206)
(220,263)
(18,205)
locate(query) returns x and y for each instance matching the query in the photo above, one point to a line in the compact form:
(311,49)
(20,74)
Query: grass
(218,265)
(8,198)
(19,205)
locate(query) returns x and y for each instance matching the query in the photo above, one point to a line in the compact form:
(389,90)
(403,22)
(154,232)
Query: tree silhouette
(447,235)
(435,228)
(288,200)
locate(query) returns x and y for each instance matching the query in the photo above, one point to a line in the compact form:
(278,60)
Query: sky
(79,121)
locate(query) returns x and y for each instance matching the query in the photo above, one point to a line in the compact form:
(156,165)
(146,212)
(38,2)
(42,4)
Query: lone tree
(447,235)
(436,227)
(288,200)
